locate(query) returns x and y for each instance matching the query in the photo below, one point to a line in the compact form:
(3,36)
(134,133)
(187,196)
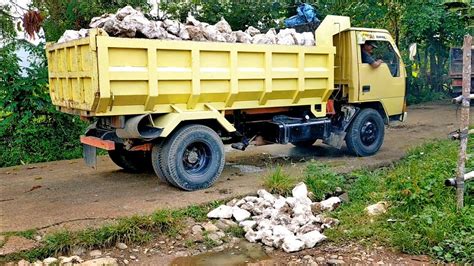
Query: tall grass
(279,182)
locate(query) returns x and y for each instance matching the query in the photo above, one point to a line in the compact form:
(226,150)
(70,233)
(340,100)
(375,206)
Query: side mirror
(412,50)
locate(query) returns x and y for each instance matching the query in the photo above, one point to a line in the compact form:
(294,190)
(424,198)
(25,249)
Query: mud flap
(90,155)
(335,139)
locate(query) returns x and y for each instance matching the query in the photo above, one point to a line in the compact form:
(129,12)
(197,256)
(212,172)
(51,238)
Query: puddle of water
(242,254)
(247,168)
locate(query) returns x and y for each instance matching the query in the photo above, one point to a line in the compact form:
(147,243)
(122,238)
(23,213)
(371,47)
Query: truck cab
(382,88)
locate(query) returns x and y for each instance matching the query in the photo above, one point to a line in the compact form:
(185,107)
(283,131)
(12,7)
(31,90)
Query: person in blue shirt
(367,51)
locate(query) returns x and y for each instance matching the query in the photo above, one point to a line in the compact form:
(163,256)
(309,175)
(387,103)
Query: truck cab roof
(367,29)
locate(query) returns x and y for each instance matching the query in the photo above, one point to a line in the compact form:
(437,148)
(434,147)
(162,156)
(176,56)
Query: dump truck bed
(106,76)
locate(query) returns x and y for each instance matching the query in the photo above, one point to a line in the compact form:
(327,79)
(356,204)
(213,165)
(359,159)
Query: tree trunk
(466,87)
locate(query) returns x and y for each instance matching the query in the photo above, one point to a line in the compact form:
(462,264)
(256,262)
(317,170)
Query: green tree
(64,15)
(7,27)
(239,14)
(31,130)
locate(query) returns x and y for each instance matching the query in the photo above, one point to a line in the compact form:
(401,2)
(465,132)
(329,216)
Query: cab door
(387,82)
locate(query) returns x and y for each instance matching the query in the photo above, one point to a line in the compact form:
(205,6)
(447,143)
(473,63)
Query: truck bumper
(98,143)
(90,145)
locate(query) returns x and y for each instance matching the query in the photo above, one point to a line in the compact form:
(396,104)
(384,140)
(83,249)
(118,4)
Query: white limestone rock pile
(275,221)
(70,35)
(131,23)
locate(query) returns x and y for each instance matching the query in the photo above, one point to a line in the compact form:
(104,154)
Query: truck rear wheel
(194,157)
(366,133)
(158,160)
(132,161)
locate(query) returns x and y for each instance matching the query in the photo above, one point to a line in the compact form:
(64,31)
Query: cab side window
(385,52)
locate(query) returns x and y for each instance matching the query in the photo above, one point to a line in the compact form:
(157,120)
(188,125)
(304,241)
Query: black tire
(304,144)
(366,133)
(158,161)
(194,157)
(131,161)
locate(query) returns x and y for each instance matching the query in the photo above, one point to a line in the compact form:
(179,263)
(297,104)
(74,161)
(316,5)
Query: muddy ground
(67,194)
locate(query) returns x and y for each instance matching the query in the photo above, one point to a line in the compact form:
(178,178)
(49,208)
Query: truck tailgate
(73,75)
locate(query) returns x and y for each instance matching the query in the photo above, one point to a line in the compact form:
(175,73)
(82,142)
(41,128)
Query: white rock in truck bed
(252,31)
(128,22)
(223,26)
(70,35)
(308,38)
(155,31)
(98,22)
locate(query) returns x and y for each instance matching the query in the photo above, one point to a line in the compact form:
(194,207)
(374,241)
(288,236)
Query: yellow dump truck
(172,105)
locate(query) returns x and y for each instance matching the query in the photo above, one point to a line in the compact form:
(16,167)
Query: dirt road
(67,194)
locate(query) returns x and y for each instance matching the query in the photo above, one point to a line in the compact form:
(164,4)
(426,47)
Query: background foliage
(32,131)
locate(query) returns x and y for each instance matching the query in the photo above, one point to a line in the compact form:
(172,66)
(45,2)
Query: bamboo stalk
(466,87)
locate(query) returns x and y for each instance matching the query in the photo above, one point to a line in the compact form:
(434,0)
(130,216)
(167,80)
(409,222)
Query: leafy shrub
(31,130)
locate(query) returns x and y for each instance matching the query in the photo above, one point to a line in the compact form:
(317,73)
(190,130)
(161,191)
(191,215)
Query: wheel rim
(369,132)
(196,158)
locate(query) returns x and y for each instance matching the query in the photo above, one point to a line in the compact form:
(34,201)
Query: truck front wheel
(132,161)
(366,133)
(194,157)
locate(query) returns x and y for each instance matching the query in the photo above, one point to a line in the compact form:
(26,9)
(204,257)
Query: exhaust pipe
(139,127)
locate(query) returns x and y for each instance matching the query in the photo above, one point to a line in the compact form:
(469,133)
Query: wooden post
(466,88)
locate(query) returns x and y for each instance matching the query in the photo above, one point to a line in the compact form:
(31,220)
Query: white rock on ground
(262,193)
(330,204)
(300,193)
(252,236)
(100,262)
(72,259)
(121,246)
(95,253)
(248,223)
(240,214)
(312,238)
(280,222)
(50,260)
(210,227)
(223,211)
(292,244)
(377,208)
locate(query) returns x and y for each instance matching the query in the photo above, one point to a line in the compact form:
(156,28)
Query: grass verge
(422,216)
(135,229)
(279,182)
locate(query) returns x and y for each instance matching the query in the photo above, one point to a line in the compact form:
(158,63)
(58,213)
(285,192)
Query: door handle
(366,88)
